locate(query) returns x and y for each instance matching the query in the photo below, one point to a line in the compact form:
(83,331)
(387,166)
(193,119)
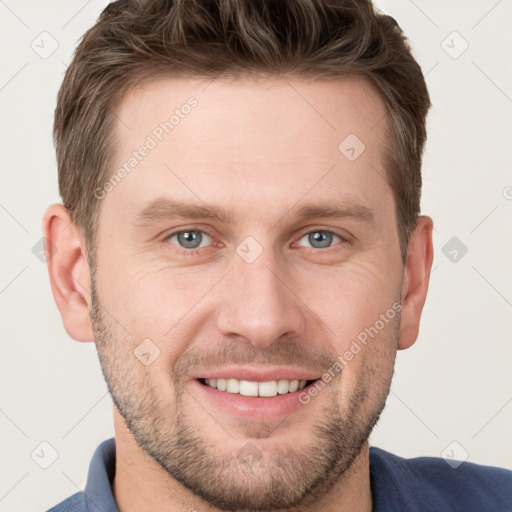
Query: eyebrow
(349,209)
(166,208)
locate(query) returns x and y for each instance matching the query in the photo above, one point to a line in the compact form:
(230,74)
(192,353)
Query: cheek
(155,302)
(362,311)
(360,298)
(368,368)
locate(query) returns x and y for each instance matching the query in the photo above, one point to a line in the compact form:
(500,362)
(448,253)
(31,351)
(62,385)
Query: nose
(258,303)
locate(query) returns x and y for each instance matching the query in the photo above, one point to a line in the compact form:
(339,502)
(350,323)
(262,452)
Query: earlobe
(417,271)
(69,273)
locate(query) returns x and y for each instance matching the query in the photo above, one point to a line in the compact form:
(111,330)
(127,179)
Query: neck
(141,485)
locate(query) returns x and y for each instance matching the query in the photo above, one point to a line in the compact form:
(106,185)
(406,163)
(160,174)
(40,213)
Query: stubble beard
(280,478)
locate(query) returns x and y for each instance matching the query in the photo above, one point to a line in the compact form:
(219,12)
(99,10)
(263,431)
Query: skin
(259,149)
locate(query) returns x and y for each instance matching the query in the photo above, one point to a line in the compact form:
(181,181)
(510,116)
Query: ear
(70,279)
(420,255)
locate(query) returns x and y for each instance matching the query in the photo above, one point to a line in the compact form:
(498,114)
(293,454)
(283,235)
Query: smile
(252,388)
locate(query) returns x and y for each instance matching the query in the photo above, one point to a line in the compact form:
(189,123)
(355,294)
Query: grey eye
(190,239)
(320,239)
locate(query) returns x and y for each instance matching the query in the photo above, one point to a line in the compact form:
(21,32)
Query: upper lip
(259,374)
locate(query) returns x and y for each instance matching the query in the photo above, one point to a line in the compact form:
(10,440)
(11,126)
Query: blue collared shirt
(422,484)
(97,495)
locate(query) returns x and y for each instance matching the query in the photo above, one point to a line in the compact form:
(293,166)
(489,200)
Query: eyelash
(187,252)
(193,252)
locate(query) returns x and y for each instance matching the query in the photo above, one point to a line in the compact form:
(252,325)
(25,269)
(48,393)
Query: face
(253,247)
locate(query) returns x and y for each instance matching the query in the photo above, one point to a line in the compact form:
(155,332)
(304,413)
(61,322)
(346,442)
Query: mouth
(248,388)
(251,401)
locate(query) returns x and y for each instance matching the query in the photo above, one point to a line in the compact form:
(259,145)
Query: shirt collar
(102,470)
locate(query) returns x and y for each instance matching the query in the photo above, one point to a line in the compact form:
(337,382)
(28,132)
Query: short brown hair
(138,41)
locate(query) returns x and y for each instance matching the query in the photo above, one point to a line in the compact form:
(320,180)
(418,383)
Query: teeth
(233,386)
(247,388)
(283,386)
(294,384)
(267,388)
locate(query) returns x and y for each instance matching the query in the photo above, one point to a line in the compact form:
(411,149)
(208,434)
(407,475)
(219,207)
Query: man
(241,238)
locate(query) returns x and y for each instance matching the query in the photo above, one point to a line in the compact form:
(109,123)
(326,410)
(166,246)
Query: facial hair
(271,480)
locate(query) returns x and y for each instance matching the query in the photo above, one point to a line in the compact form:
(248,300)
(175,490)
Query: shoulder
(75,503)
(430,483)
(98,490)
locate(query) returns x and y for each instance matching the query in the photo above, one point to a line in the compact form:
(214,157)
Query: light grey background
(452,391)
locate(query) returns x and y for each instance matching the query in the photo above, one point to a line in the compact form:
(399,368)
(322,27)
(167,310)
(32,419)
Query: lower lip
(252,408)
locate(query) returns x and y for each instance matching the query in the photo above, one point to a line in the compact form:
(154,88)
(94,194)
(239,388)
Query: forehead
(268,141)
(257,105)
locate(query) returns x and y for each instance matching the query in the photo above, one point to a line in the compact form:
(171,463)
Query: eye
(189,239)
(321,239)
